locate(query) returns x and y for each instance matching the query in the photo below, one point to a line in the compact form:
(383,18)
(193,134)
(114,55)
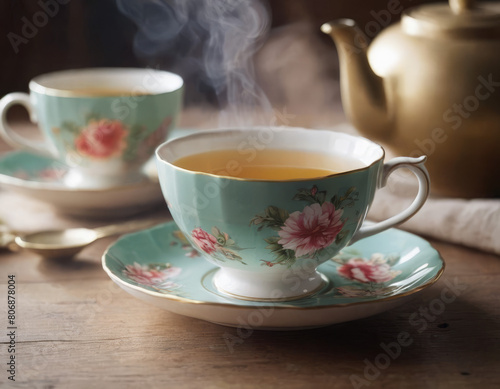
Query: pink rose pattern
(218,244)
(204,241)
(369,275)
(158,276)
(313,229)
(366,271)
(102,139)
(306,233)
(180,238)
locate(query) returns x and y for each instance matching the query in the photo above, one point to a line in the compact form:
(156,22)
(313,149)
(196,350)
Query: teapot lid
(459,16)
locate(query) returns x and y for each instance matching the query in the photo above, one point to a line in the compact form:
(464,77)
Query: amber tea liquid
(267,164)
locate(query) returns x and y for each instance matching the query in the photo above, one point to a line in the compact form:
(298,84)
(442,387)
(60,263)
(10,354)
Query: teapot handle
(416,166)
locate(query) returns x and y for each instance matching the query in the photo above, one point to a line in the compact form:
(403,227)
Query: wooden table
(76,329)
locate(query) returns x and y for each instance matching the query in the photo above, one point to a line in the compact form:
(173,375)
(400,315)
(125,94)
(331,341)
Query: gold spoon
(68,242)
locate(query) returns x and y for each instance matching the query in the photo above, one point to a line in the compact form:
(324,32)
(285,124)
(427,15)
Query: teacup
(104,123)
(268,236)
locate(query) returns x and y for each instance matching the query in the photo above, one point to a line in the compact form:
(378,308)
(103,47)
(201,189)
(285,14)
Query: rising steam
(215,37)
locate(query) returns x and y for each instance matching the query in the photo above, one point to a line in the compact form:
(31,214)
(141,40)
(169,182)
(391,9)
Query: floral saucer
(40,178)
(373,275)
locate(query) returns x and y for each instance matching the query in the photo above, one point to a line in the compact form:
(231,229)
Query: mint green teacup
(104,123)
(269,236)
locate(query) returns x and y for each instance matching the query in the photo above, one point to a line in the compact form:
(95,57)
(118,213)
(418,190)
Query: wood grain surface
(76,329)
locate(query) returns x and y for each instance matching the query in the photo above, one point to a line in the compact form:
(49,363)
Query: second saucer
(41,178)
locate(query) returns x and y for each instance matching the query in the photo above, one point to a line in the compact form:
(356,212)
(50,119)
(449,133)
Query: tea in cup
(104,123)
(269,205)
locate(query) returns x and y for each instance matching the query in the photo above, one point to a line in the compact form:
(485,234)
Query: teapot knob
(460,6)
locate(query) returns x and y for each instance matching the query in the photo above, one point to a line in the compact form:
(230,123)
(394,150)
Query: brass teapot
(430,84)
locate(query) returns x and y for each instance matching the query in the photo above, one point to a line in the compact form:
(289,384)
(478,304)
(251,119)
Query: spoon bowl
(55,243)
(68,242)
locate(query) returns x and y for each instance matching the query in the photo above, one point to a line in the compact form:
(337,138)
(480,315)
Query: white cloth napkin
(474,223)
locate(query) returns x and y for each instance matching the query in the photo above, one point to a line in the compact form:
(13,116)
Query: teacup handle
(9,135)
(416,166)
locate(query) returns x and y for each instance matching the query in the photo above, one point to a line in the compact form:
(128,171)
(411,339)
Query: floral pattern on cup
(306,233)
(313,229)
(103,138)
(185,245)
(152,141)
(158,276)
(369,275)
(218,244)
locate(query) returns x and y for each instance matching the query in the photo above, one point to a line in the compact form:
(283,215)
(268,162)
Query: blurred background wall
(295,62)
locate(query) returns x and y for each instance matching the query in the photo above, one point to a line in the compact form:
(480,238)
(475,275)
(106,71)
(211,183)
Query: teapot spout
(363,96)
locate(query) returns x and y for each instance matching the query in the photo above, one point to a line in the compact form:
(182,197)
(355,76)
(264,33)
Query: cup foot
(251,286)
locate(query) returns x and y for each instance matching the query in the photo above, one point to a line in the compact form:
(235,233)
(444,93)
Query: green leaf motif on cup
(273,217)
(71,128)
(134,139)
(311,195)
(347,200)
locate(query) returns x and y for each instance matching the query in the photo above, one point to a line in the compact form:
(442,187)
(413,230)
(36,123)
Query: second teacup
(104,123)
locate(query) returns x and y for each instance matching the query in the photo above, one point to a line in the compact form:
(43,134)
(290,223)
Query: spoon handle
(123,228)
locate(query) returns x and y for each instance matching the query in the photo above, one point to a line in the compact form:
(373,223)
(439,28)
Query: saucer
(41,178)
(373,275)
